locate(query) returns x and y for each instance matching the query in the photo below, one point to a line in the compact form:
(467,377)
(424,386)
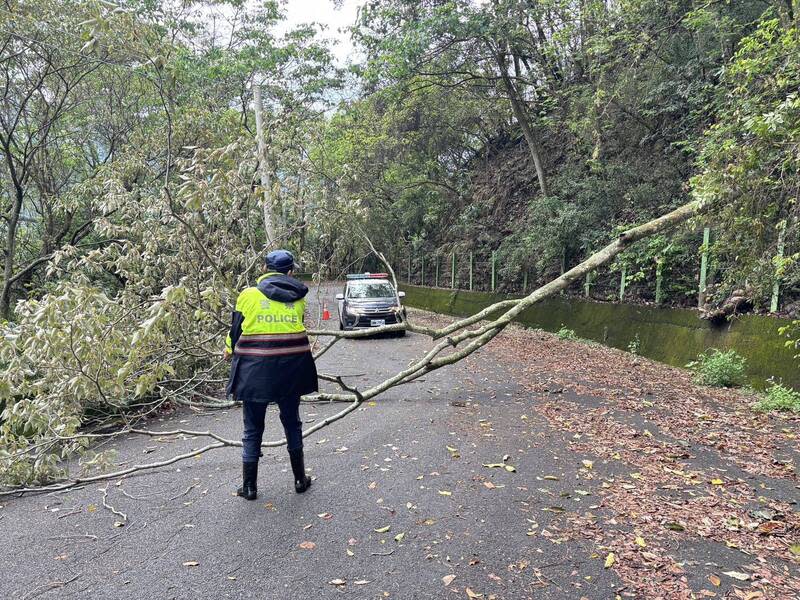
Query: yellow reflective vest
(272,358)
(263,316)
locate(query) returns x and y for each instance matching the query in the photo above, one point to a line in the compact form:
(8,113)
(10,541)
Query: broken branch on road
(450,337)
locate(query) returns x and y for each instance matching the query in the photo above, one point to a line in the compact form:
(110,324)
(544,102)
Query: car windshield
(370,290)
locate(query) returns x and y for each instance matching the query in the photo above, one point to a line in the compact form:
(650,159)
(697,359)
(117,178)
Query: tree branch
(430,361)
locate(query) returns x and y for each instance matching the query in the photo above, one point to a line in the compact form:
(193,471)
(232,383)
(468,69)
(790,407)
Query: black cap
(280,260)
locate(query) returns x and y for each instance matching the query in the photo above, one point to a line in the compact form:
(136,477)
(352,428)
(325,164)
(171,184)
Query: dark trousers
(254,413)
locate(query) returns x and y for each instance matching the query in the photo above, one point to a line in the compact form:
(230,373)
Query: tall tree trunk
(266,181)
(11,247)
(522,117)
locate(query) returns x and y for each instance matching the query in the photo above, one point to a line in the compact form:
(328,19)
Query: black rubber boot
(301,481)
(248,490)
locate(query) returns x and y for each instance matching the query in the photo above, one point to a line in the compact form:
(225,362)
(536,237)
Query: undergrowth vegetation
(565,333)
(718,368)
(779,398)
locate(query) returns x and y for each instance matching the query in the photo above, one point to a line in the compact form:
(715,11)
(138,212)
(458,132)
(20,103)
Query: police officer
(272,362)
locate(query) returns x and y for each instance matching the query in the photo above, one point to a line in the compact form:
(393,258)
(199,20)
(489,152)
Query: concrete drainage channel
(671,335)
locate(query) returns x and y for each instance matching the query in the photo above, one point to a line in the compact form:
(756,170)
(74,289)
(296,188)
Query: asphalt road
(403,504)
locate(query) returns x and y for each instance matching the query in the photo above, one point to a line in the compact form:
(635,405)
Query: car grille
(375,311)
(364,320)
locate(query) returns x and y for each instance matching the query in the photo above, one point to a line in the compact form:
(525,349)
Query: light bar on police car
(368,276)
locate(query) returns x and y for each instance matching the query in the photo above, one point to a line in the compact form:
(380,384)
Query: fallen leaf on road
(308,545)
(471,594)
(795,549)
(610,560)
(716,581)
(676,569)
(640,542)
(448,579)
(551,478)
(488,485)
(191,563)
(737,575)
(349,552)
(445,493)
(717,482)
(770,527)
(361,582)
(399,537)
(587,463)
(337,582)
(383,529)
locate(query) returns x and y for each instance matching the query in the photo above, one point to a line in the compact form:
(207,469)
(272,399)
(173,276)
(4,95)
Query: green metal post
(409,268)
(494,263)
(423,270)
(525,282)
(470,270)
(622,277)
(776,286)
(701,296)
(659,280)
(587,283)
(453,273)
(436,282)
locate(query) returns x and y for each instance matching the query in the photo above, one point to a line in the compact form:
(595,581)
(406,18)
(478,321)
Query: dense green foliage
(565,333)
(780,398)
(719,368)
(134,204)
(632,108)
(158,211)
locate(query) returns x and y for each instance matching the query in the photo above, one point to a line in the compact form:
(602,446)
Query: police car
(369,300)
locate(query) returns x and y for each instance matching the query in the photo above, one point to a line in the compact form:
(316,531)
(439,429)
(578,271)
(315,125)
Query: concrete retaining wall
(671,335)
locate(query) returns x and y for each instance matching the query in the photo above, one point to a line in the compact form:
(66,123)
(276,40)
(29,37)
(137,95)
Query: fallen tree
(137,322)
(453,343)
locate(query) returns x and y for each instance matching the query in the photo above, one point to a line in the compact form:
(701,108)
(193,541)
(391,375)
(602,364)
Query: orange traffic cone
(326,315)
